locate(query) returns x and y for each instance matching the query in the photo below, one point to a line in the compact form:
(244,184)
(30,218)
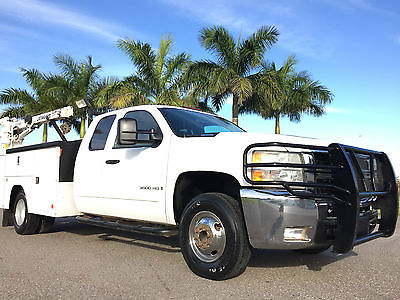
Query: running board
(157,230)
(369,237)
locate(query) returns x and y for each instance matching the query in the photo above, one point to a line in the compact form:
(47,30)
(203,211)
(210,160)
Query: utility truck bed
(46,173)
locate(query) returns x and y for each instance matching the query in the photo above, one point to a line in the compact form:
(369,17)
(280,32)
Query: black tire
(315,250)
(24,222)
(225,215)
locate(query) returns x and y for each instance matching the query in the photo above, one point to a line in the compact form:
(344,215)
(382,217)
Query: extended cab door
(134,178)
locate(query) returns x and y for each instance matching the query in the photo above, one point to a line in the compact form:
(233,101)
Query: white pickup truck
(167,171)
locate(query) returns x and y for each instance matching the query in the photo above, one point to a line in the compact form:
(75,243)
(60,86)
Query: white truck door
(3,201)
(89,167)
(134,178)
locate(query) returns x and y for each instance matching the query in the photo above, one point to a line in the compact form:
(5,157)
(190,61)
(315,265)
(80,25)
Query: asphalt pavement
(81,261)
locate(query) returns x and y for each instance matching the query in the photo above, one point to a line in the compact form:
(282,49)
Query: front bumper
(268,213)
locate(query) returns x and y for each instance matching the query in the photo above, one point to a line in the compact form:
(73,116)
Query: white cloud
(366,5)
(232,13)
(235,14)
(36,11)
(9,69)
(213,12)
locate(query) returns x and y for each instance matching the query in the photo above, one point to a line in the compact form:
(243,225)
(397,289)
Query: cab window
(145,122)
(99,138)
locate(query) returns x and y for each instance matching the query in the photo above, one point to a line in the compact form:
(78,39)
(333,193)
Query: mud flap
(5,217)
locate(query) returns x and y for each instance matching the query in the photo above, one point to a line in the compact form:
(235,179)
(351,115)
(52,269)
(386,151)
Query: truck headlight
(276,173)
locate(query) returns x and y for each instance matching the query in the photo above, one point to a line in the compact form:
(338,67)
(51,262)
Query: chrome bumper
(267,214)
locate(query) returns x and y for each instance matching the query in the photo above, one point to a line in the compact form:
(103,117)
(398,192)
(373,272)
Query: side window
(145,122)
(99,138)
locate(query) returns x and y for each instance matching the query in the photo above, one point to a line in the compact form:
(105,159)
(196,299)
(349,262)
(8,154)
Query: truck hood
(245,139)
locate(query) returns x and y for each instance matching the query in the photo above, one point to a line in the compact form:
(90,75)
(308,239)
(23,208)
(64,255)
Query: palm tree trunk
(44,133)
(82,131)
(277,127)
(235,110)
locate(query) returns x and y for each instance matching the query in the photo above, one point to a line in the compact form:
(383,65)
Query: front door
(135,178)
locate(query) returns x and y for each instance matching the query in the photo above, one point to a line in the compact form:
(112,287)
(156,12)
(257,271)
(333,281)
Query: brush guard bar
(349,188)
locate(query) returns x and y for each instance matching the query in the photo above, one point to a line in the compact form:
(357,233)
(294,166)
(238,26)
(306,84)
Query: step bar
(369,237)
(134,227)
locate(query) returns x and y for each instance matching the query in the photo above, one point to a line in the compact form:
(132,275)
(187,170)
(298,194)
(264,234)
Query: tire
(213,238)
(315,250)
(24,222)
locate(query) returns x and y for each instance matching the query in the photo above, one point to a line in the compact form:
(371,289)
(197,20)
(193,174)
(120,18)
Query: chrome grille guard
(351,183)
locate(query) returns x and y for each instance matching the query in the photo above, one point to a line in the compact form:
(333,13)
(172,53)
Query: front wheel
(213,237)
(24,222)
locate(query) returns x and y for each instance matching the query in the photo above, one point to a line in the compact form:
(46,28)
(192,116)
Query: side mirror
(127,132)
(154,136)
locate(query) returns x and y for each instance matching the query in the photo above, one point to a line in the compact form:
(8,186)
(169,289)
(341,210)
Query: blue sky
(351,46)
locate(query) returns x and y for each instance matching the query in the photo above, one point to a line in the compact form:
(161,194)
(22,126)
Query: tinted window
(99,138)
(187,123)
(145,122)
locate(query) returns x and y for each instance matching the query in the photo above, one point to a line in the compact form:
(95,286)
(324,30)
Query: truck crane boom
(14,130)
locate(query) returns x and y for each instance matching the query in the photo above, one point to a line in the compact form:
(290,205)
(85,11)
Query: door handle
(112,161)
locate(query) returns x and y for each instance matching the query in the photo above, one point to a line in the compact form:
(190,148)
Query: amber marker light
(258,175)
(256,157)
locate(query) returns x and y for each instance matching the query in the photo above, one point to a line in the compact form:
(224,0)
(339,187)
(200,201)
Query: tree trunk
(44,133)
(235,110)
(82,131)
(277,128)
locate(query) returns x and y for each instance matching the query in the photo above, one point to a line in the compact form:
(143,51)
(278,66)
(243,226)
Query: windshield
(188,123)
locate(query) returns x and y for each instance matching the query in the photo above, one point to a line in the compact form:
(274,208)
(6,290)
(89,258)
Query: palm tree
(157,79)
(229,75)
(22,103)
(77,82)
(284,92)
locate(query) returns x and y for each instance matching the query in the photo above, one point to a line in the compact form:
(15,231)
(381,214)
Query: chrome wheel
(20,212)
(207,236)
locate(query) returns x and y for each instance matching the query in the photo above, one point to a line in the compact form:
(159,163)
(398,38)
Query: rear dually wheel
(24,222)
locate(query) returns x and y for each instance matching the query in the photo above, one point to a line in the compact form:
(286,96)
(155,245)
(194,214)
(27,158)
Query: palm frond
(15,96)
(242,88)
(175,65)
(13,112)
(141,55)
(125,95)
(218,40)
(34,78)
(165,47)
(251,51)
(67,64)
(289,67)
